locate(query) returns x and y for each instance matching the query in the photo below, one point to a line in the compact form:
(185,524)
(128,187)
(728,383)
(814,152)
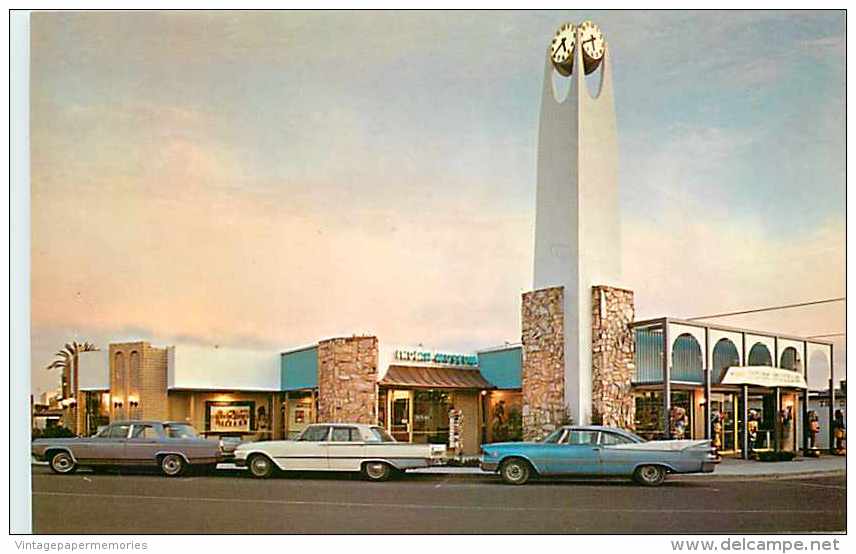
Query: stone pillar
(347,380)
(613,357)
(543,379)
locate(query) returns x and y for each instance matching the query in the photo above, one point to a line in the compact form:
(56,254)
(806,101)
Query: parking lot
(230,502)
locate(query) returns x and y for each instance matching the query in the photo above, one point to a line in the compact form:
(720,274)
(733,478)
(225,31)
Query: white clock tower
(577,232)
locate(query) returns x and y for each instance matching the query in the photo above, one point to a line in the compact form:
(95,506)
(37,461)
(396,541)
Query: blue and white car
(597,451)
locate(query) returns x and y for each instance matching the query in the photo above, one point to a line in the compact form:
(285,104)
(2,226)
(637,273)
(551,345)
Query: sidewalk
(729,467)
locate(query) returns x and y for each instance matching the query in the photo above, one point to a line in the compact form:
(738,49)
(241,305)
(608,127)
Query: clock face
(593,45)
(562,48)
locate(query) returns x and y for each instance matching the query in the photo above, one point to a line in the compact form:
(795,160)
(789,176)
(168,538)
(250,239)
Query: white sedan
(368,449)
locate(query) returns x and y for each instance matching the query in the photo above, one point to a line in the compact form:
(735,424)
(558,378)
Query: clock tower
(577,230)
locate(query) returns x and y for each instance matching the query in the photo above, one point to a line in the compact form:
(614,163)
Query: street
(230,502)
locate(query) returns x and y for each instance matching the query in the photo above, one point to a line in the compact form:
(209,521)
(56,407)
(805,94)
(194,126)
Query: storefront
(720,383)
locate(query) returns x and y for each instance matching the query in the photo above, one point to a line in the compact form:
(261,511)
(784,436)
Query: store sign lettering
(436,357)
(763,376)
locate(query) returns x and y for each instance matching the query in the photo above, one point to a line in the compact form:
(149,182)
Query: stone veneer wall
(347,380)
(543,379)
(612,353)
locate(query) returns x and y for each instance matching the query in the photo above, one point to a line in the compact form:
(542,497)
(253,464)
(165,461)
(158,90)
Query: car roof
(596,428)
(341,424)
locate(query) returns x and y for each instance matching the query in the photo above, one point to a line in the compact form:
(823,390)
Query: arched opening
(760,355)
(687,361)
(725,355)
(790,359)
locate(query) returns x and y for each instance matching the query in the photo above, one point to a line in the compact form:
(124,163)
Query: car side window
(345,434)
(144,432)
(582,438)
(316,433)
(118,431)
(610,439)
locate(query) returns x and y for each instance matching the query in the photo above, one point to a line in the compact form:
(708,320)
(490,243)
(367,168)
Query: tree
(66,359)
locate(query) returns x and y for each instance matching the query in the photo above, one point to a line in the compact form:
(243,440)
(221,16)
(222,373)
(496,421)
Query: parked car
(597,451)
(172,446)
(368,449)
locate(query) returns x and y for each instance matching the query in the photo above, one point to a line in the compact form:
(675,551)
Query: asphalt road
(229,502)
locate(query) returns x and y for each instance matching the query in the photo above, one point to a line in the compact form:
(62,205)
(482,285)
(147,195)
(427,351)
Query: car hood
(501,445)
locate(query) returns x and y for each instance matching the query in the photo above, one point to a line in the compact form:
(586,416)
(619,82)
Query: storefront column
(708,433)
(777,421)
(805,400)
(744,439)
(831,431)
(667,382)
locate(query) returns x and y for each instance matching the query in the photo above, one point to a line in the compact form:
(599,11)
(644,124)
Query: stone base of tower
(347,377)
(612,353)
(543,375)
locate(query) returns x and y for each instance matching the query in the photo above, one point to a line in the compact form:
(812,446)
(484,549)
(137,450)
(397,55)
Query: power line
(783,307)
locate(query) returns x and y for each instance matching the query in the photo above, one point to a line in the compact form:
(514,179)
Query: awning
(434,378)
(763,376)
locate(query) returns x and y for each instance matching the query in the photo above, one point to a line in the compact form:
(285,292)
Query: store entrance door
(400,420)
(724,416)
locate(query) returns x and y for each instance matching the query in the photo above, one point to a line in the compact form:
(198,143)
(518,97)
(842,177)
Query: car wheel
(260,466)
(650,475)
(515,471)
(376,471)
(63,463)
(172,465)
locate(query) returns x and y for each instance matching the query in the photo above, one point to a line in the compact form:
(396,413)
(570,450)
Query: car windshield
(180,431)
(379,434)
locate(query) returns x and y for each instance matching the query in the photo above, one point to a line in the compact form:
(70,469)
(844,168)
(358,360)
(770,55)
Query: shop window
(431,416)
(686,359)
(790,359)
(760,355)
(649,355)
(649,414)
(725,355)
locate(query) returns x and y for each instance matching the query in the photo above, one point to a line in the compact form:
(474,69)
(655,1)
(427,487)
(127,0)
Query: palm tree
(66,359)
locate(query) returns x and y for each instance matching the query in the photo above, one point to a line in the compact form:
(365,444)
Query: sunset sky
(265,180)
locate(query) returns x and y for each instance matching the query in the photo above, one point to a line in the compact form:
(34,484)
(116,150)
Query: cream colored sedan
(368,449)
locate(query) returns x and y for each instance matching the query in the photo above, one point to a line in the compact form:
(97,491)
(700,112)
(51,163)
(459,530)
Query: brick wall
(613,362)
(347,380)
(543,379)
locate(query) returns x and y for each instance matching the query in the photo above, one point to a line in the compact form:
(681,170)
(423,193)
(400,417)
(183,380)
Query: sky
(266,179)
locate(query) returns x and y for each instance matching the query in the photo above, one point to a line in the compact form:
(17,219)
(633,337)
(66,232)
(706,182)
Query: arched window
(790,359)
(725,355)
(760,355)
(687,359)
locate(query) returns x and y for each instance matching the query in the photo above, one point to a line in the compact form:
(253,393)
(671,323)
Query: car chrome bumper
(708,467)
(491,467)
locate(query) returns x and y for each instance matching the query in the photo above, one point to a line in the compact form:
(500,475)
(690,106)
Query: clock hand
(563,44)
